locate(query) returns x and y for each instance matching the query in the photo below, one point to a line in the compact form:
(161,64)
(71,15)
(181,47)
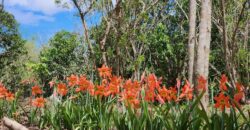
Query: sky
(41,19)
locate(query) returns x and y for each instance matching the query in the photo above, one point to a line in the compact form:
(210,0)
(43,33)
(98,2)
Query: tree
(62,57)
(231,23)
(191,39)
(83,7)
(203,47)
(11,51)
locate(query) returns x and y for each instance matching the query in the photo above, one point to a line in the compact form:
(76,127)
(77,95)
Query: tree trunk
(191,39)
(203,48)
(13,125)
(82,15)
(225,43)
(103,42)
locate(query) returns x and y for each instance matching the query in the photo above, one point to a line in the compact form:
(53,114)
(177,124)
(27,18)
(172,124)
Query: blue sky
(41,19)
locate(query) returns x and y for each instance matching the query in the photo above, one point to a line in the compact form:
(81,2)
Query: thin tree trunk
(227,53)
(203,49)
(235,46)
(82,15)
(103,42)
(191,39)
(118,14)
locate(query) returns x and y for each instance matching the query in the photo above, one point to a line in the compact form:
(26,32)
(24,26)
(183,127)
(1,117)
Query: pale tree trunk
(82,16)
(191,39)
(203,48)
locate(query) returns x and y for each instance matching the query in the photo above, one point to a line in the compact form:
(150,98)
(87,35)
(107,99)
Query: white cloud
(47,7)
(34,11)
(30,18)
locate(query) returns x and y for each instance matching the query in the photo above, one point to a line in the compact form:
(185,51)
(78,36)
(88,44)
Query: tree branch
(238,22)
(13,125)
(82,16)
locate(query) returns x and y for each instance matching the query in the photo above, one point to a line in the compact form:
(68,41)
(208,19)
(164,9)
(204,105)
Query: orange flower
(101,91)
(36,90)
(202,83)
(62,89)
(168,94)
(39,102)
(105,72)
(83,83)
(9,96)
(238,95)
(223,82)
(164,93)
(3,91)
(187,91)
(150,95)
(172,94)
(91,89)
(222,101)
(130,98)
(239,87)
(73,80)
(114,86)
(132,85)
(153,82)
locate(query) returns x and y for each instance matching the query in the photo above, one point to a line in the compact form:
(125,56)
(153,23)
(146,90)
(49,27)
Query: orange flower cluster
(81,82)
(132,92)
(109,87)
(5,94)
(129,91)
(167,94)
(187,91)
(238,95)
(38,101)
(222,100)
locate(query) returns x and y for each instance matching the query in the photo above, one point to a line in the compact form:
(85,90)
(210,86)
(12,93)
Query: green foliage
(93,112)
(166,55)
(63,56)
(243,61)
(12,51)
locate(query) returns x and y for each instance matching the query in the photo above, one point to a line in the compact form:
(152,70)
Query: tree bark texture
(191,39)
(203,48)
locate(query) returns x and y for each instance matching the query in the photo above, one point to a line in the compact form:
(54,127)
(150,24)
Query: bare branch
(82,16)
(238,22)
(182,9)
